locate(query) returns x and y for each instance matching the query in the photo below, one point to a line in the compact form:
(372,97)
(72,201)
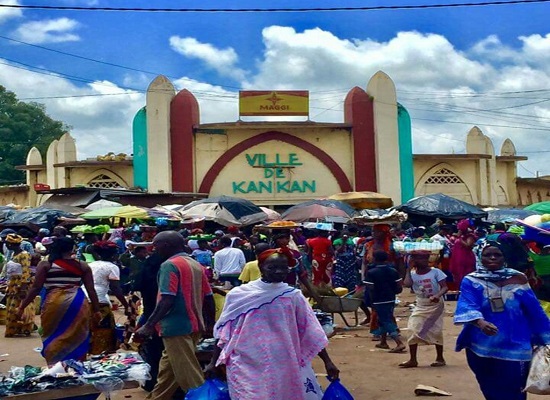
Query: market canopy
(103,203)
(318,210)
(364,200)
(379,216)
(542,207)
(224,210)
(439,205)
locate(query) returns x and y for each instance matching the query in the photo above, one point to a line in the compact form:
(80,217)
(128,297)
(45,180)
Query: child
(384,283)
(426,321)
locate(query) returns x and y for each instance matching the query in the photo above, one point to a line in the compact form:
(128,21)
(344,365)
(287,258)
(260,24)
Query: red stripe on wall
(359,112)
(184,116)
(327,160)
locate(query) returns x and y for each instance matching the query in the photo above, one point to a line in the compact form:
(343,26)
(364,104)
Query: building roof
(451,156)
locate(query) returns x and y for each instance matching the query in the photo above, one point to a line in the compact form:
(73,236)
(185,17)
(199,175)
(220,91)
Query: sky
(453,67)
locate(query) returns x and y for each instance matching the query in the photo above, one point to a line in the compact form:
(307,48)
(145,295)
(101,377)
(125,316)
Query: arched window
(103,182)
(443,177)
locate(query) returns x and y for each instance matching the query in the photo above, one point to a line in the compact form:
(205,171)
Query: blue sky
(453,67)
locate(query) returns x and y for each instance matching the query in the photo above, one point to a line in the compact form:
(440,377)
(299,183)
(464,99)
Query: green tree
(22,126)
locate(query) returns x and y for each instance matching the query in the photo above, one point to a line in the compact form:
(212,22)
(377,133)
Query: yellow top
(251,272)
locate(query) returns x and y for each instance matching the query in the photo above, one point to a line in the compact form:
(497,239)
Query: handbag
(538,380)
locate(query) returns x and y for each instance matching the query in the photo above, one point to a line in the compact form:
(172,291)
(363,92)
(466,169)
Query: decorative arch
(109,178)
(442,179)
(327,160)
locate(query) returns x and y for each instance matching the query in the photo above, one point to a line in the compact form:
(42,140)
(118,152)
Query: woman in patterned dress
(18,286)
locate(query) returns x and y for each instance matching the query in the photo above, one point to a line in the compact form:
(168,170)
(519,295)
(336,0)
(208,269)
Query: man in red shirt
(321,253)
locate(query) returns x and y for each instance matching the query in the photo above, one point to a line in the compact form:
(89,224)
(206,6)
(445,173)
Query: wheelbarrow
(340,305)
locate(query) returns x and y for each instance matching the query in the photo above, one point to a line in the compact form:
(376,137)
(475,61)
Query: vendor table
(75,392)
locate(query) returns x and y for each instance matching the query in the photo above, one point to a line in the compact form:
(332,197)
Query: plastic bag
(212,389)
(337,391)
(538,381)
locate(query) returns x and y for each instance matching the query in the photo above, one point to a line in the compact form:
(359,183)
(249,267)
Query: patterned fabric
(426,322)
(18,287)
(344,271)
(521,325)
(183,277)
(268,347)
(65,322)
(102,333)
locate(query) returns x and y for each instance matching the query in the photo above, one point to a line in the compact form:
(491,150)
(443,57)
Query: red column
(359,112)
(184,117)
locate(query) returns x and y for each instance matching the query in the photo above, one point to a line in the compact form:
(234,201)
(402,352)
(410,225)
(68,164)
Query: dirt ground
(367,372)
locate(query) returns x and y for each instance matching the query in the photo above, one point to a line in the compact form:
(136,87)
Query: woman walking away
(268,335)
(426,321)
(106,277)
(65,316)
(20,281)
(502,322)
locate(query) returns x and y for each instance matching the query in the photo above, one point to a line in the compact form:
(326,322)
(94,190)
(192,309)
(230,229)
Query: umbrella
(98,205)
(439,205)
(508,214)
(224,210)
(362,200)
(126,212)
(42,217)
(315,210)
(272,215)
(541,208)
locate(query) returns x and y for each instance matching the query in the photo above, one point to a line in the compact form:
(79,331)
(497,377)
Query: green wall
(405,153)
(139,136)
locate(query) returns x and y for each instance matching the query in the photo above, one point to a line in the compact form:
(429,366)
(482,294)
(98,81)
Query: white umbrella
(98,205)
(211,212)
(272,215)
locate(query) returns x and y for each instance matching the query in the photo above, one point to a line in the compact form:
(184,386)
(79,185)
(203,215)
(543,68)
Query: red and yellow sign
(281,102)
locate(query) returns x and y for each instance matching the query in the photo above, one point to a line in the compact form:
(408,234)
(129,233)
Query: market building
(276,164)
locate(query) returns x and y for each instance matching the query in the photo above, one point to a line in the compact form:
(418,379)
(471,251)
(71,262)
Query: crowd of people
(242,287)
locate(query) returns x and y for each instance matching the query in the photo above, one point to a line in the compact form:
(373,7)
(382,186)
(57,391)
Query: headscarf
(485,274)
(381,228)
(284,251)
(463,225)
(13,238)
(44,231)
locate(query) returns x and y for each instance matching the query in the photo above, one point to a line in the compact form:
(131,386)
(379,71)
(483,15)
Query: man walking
(184,297)
(229,262)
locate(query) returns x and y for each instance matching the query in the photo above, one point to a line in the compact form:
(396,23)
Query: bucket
(119,333)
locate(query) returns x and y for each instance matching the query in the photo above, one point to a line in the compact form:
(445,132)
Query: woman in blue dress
(502,322)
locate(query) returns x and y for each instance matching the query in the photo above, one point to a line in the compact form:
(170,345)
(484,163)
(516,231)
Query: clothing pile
(124,366)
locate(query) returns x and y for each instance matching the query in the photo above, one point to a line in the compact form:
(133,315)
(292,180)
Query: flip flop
(438,364)
(407,365)
(396,350)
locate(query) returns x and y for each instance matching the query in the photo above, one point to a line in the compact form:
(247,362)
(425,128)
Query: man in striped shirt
(184,311)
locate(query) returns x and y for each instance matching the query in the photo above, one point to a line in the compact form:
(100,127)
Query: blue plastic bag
(337,391)
(212,389)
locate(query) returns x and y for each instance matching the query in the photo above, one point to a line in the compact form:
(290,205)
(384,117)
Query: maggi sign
(281,102)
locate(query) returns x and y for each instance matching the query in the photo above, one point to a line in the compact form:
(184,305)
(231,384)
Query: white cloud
(48,31)
(9,13)
(222,60)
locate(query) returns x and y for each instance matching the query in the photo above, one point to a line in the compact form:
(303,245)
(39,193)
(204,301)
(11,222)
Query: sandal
(408,364)
(438,364)
(382,346)
(398,350)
